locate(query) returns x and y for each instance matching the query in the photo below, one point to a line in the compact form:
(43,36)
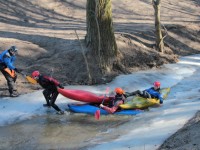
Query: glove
(60,112)
(60,86)
(18,70)
(101,105)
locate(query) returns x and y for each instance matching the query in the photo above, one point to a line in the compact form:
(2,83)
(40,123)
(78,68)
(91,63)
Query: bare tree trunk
(100,35)
(159,37)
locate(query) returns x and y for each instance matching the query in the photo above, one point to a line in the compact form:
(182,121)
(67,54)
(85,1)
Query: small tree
(100,35)
(159,36)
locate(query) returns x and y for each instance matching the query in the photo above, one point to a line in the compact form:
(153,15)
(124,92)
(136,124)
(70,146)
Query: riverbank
(186,138)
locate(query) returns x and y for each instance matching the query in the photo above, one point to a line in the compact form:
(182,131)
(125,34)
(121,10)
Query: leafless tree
(159,36)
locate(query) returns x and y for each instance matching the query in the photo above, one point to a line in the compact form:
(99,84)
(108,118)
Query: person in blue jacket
(7,59)
(153,92)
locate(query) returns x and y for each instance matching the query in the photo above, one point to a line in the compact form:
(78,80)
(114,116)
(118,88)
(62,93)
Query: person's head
(156,85)
(35,75)
(119,91)
(13,50)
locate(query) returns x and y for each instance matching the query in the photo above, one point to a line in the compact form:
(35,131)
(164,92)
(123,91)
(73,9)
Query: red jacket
(48,83)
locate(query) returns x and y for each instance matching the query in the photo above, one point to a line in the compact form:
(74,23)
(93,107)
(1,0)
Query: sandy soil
(44,32)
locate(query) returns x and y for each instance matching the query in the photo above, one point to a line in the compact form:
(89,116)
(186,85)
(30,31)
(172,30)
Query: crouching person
(50,90)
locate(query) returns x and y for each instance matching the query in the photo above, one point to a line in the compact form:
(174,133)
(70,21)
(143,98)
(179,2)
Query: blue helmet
(13,49)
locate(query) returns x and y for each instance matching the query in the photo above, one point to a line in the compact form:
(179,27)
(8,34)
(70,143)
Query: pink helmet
(35,74)
(157,84)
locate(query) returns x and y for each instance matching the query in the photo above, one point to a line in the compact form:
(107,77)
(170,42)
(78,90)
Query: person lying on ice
(50,90)
(153,92)
(116,101)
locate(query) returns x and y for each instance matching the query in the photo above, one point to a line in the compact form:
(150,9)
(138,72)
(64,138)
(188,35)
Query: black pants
(10,81)
(144,94)
(51,97)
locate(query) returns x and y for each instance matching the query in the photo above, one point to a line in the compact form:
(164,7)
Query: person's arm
(55,82)
(112,109)
(160,98)
(9,62)
(127,94)
(52,80)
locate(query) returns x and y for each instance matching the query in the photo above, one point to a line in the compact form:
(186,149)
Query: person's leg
(11,84)
(53,99)
(47,96)
(138,92)
(14,85)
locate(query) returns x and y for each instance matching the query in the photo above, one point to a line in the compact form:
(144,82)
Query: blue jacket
(155,94)
(7,59)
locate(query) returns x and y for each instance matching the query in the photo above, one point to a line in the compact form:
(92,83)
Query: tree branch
(85,58)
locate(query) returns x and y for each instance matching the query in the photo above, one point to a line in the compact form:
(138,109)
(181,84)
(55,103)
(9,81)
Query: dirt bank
(44,33)
(43,30)
(187,138)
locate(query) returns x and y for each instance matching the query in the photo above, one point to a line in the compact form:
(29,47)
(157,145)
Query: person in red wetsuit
(116,101)
(50,90)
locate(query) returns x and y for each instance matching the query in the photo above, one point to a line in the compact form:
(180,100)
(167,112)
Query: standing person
(153,92)
(117,100)
(50,90)
(7,59)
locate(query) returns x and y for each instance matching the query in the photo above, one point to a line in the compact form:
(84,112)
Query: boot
(60,112)
(46,105)
(14,94)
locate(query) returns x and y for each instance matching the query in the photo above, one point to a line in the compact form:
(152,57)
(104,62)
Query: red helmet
(35,74)
(119,90)
(157,84)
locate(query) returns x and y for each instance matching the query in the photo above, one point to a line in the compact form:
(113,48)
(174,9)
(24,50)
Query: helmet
(13,49)
(119,90)
(35,74)
(157,84)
